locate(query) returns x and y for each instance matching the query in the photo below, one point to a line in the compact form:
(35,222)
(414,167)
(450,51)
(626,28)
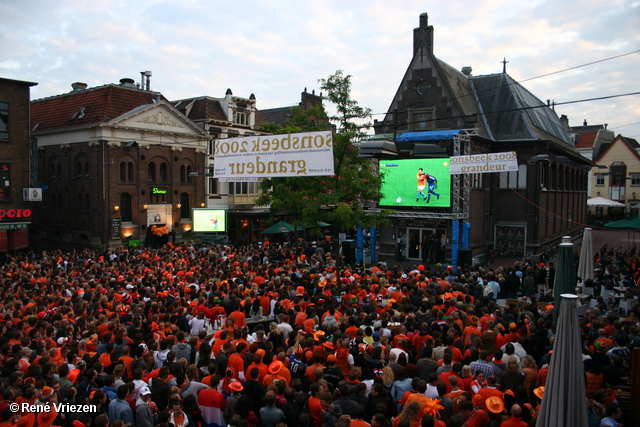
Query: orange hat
(73,375)
(46,419)
(317,335)
(47,391)
(478,400)
(236,386)
(331,358)
(275,367)
(510,393)
(261,352)
(494,404)
(27,420)
(539,391)
(513,326)
(328,344)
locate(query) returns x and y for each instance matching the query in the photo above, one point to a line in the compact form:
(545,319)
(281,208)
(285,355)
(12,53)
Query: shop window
(4,121)
(5,181)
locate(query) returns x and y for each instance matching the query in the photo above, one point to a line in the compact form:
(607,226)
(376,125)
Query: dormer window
(240,116)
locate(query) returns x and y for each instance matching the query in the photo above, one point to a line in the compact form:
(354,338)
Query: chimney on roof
(78,86)
(127,82)
(467,70)
(564,121)
(148,75)
(584,123)
(605,126)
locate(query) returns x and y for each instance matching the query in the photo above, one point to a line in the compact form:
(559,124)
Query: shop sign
(18,226)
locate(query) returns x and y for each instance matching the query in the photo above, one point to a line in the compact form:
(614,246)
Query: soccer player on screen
(422,178)
(432,182)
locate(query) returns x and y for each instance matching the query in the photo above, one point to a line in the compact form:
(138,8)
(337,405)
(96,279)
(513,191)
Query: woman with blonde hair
(387,377)
(412,413)
(530,372)
(467,378)
(513,377)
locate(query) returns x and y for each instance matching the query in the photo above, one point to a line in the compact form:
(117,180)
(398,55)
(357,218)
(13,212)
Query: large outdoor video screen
(416,182)
(209,220)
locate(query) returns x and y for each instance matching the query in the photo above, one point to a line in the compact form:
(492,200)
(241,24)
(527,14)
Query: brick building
(17,171)
(531,208)
(114,161)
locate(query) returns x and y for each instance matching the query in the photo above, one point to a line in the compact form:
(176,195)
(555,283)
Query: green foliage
(339,198)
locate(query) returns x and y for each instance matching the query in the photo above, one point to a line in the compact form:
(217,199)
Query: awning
(433,135)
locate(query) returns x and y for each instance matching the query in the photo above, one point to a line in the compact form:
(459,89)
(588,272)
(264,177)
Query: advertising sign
(484,163)
(268,156)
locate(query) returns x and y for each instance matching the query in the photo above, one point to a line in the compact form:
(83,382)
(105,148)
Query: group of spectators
(284,336)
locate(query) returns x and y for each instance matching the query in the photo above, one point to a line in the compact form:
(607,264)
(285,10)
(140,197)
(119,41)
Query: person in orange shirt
(238,318)
(105,358)
(127,360)
(236,361)
(315,364)
(274,373)
(219,342)
(262,368)
(470,330)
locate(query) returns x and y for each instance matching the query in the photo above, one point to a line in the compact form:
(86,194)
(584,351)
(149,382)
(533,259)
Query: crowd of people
(284,335)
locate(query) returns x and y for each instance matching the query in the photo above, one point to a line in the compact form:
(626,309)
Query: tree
(339,198)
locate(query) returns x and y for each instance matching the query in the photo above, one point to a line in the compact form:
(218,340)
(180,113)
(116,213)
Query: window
(125,207)
(617,181)
(130,172)
(240,116)
(600,179)
(152,172)
(5,181)
(163,172)
(87,203)
(213,185)
(123,171)
(189,178)
(86,169)
(422,120)
(243,187)
(4,121)
(183,174)
(635,179)
(514,179)
(185,206)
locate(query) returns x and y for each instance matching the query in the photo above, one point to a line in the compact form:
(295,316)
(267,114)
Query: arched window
(87,203)
(152,172)
(59,170)
(79,203)
(183,174)
(189,174)
(185,208)
(130,172)
(86,169)
(163,172)
(79,170)
(126,212)
(123,171)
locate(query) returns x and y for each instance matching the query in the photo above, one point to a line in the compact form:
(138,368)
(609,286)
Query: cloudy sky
(276,48)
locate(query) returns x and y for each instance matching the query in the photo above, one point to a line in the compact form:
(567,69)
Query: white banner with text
(269,156)
(484,163)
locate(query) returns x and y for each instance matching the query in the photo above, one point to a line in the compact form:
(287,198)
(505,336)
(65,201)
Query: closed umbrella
(565,281)
(564,402)
(585,267)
